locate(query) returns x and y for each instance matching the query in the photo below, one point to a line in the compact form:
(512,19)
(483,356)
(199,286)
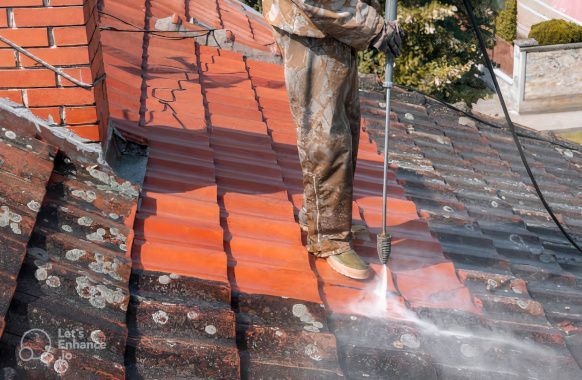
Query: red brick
(72,35)
(57,3)
(7,58)
(3,18)
(20,78)
(48,16)
(21,3)
(25,37)
(89,132)
(14,95)
(64,56)
(80,73)
(80,115)
(44,113)
(46,97)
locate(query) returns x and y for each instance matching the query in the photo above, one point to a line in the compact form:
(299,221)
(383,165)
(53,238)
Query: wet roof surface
(480,283)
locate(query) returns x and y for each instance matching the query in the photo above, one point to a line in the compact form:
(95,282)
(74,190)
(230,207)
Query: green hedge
(506,22)
(555,32)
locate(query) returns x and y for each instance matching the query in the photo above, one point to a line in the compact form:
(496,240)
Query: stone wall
(548,78)
(553,73)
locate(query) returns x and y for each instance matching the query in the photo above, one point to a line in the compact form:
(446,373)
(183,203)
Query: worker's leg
(321,78)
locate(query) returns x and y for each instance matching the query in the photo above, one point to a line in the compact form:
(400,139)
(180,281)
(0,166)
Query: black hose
(156,33)
(489,65)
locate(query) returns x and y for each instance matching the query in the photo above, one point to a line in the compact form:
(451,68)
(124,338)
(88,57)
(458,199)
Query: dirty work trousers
(322,84)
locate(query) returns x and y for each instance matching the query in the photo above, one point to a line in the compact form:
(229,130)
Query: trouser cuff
(337,249)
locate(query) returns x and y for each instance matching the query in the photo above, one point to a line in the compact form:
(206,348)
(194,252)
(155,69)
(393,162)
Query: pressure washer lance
(384,239)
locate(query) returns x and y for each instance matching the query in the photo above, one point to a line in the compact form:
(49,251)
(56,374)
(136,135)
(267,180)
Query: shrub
(440,53)
(555,32)
(506,22)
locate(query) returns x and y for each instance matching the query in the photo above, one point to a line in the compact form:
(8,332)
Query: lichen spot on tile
(66,228)
(98,174)
(53,281)
(192,315)
(10,135)
(97,336)
(164,279)
(47,358)
(41,274)
(97,235)
(88,196)
(409,116)
(97,301)
(61,366)
(210,329)
(75,254)
(33,205)
(312,352)
(10,219)
(160,317)
(15,227)
(300,311)
(491,285)
(86,221)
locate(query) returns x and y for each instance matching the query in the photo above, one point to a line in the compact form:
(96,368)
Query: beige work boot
(349,264)
(357,228)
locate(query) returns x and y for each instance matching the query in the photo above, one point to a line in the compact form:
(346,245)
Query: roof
(479,284)
(67,230)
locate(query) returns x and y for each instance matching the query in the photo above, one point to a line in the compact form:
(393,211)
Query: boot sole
(356,274)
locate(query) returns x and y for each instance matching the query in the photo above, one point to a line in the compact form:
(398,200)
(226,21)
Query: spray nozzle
(384,247)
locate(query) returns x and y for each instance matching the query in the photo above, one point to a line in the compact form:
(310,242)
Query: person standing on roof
(319,40)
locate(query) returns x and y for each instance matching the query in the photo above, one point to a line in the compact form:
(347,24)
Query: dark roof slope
(468,182)
(73,218)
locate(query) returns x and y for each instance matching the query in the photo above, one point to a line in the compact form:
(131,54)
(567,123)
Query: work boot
(349,264)
(357,228)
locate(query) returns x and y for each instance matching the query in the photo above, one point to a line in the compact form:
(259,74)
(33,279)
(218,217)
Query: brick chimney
(64,34)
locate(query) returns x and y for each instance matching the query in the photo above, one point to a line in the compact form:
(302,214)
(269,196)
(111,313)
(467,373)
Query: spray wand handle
(390,14)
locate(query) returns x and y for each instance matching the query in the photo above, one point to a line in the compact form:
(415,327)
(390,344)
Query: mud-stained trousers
(322,84)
